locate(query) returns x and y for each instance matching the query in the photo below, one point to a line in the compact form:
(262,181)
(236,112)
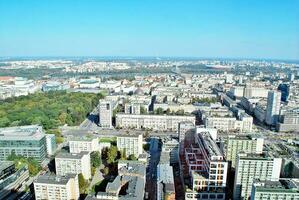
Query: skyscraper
(273,107)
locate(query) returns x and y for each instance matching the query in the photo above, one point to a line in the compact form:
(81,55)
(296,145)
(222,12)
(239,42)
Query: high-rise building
(57,187)
(105,113)
(27,141)
(131,144)
(207,169)
(281,189)
(51,144)
(284,88)
(67,163)
(273,107)
(254,166)
(242,143)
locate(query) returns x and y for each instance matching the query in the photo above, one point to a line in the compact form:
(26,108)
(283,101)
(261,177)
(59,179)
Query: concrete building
(131,144)
(242,143)
(51,144)
(155,122)
(207,169)
(273,107)
(165,179)
(11,178)
(171,146)
(133,175)
(79,144)
(184,128)
(132,108)
(27,141)
(275,190)
(254,166)
(289,121)
(57,188)
(105,113)
(66,163)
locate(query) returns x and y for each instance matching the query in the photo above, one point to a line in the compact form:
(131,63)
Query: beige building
(66,163)
(242,143)
(131,144)
(57,188)
(155,122)
(83,144)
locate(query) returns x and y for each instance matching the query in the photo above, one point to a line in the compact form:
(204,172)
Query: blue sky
(188,28)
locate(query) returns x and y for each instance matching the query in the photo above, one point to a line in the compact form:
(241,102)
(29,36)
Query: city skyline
(205,29)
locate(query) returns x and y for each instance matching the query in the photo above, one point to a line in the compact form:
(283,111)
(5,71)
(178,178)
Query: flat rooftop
(283,185)
(32,132)
(54,180)
(64,155)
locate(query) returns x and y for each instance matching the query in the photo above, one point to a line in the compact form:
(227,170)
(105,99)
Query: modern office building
(79,144)
(51,144)
(57,187)
(235,144)
(273,107)
(254,166)
(207,169)
(284,88)
(287,189)
(11,178)
(27,141)
(154,122)
(165,179)
(67,163)
(131,144)
(105,113)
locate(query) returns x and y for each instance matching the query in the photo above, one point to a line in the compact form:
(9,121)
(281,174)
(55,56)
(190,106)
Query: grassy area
(107,139)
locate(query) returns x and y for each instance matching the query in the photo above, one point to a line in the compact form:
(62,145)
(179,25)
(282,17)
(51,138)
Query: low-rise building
(57,187)
(79,144)
(155,122)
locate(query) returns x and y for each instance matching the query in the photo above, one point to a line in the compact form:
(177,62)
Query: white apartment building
(228,123)
(66,163)
(155,122)
(242,143)
(282,189)
(207,169)
(51,144)
(57,188)
(105,113)
(254,166)
(131,144)
(273,107)
(78,145)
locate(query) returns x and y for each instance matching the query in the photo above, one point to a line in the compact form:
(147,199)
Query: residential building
(207,169)
(275,190)
(131,144)
(273,107)
(105,113)
(67,163)
(57,187)
(79,144)
(171,146)
(27,141)
(242,143)
(11,178)
(165,179)
(155,122)
(254,166)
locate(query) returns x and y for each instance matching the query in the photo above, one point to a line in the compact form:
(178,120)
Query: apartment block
(57,187)
(80,144)
(67,163)
(242,143)
(207,169)
(251,166)
(105,113)
(131,144)
(155,122)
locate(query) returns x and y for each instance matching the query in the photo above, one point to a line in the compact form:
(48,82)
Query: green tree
(112,154)
(159,111)
(83,184)
(142,110)
(95,159)
(132,157)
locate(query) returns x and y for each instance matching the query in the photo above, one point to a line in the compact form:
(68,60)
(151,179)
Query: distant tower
(273,107)
(105,114)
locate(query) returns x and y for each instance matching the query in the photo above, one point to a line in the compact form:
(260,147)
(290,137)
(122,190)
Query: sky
(170,28)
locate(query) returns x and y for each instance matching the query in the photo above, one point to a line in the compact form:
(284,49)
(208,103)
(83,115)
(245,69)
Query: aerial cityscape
(154,109)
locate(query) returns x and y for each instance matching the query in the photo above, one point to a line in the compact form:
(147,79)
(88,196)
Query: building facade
(131,144)
(273,107)
(105,113)
(78,145)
